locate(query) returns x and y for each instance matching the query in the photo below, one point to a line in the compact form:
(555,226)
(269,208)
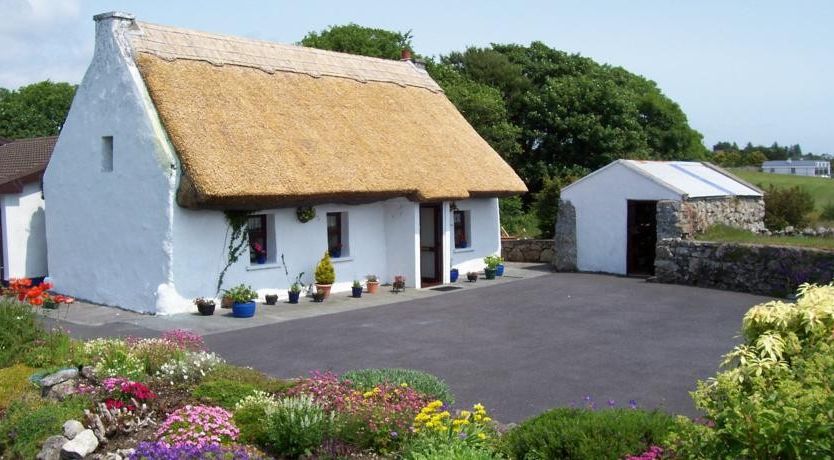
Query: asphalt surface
(519,348)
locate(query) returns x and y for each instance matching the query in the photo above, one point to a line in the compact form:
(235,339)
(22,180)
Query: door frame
(438,245)
(631,270)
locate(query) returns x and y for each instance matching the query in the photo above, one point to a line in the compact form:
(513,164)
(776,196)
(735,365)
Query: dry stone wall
(676,219)
(527,250)
(767,270)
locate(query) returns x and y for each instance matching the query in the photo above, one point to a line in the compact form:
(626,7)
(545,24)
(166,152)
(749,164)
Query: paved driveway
(522,347)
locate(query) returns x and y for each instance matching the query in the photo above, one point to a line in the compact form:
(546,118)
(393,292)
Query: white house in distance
(815,168)
(610,220)
(22,218)
(171,127)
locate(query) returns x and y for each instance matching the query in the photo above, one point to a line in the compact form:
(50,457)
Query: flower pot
(260,259)
(472,277)
(453,275)
(294,296)
(489,273)
(357,291)
(271,299)
(373,286)
(499,270)
(226,302)
(318,297)
(243,309)
(324,289)
(335,253)
(206,309)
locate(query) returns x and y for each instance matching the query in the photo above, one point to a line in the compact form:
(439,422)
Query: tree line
(729,154)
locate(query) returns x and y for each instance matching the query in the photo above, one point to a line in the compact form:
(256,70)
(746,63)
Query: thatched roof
(259,124)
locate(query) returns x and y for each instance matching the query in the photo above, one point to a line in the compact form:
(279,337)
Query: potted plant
(318,296)
(336,251)
(453,275)
(399,283)
(243,298)
(325,275)
(204,306)
(226,301)
(472,276)
(260,253)
(357,289)
(492,262)
(295,288)
(271,299)
(373,284)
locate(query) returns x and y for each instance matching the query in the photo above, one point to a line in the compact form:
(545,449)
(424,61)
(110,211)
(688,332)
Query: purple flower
(162,451)
(394,434)
(611,403)
(632,403)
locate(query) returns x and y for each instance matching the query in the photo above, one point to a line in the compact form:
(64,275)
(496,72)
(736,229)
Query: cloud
(43,39)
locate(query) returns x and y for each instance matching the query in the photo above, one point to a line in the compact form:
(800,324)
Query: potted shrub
(492,262)
(271,299)
(295,288)
(325,275)
(373,284)
(472,276)
(357,289)
(399,283)
(318,296)
(453,275)
(204,306)
(260,253)
(243,298)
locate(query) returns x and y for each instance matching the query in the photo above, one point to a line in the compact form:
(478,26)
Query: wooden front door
(642,237)
(431,244)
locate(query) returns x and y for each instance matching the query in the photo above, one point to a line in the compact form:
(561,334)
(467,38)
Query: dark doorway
(431,244)
(642,237)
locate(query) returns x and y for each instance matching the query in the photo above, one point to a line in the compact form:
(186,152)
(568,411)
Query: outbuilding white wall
(601,203)
(109,232)
(24,233)
(485,235)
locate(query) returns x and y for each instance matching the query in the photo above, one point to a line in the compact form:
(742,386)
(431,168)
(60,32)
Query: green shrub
(428,384)
(55,348)
(583,434)
(19,329)
(154,353)
(223,393)
(14,383)
(430,449)
(31,419)
(297,426)
(250,376)
(828,212)
(515,220)
(787,206)
(250,417)
(325,273)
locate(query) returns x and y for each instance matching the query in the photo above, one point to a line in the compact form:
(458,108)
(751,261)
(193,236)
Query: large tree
(355,39)
(35,110)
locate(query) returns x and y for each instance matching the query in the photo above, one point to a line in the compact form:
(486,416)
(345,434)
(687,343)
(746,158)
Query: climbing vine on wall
(236,235)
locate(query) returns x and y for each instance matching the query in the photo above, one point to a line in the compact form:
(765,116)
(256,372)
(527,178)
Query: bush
(515,220)
(250,417)
(787,206)
(31,419)
(580,434)
(54,348)
(325,273)
(154,353)
(224,393)
(250,376)
(14,383)
(828,212)
(19,329)
(423,382)
(297,426)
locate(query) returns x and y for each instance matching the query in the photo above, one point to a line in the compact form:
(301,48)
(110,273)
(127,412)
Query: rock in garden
(61,376)
(789,230)
(72,428)
(51,449)
(88,372)
(809,232)
(60,391)
(79,447)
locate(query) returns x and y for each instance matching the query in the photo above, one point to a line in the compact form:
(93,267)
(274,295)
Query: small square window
(259,247)
(107,154)
(462,229)
(337,234)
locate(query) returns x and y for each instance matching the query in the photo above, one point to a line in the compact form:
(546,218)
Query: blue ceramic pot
(357,291)
(499,270)
(294,296)
(453,276)
(261,259)
(335,253)
(243,309)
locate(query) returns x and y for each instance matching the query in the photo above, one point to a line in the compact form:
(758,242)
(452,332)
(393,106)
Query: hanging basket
(305,213)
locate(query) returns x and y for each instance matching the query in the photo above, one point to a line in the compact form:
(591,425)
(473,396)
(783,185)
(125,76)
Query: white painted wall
(797,170)
(24,233)
(402,241)
(601,203)
(109,232)
(485,234)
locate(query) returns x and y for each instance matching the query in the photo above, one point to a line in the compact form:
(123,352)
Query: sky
(742,70)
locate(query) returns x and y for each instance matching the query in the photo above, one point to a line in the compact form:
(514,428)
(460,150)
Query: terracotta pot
(324,289)
(227,302)
(373,286)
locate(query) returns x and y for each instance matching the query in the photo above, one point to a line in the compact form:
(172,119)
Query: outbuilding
(610,220)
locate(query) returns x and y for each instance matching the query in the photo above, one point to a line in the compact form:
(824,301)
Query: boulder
(72,428)
(61,376)
(88,372)
(60,391)
(79,447)
(51,449)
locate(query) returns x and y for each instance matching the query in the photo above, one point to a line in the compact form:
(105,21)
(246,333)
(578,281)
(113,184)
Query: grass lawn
(734,235)
(820,188)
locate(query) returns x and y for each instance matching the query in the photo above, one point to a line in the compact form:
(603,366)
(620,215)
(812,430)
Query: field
(734,235)
(820,188)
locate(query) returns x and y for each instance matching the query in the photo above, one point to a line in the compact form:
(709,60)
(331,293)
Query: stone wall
(767,270)
(527,250)
(564,238)
(691,217)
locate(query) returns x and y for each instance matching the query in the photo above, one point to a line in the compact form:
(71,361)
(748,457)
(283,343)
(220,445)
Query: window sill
(265,266)
(341,259)
(463,250)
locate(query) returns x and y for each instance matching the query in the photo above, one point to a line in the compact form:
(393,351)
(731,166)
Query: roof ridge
(12,141)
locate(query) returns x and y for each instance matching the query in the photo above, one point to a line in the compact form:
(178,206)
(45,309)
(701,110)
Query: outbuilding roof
(688,178)
(258,124)
(23,161)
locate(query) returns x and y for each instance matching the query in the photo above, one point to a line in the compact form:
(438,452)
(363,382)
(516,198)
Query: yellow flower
(478,417)
(368,394)
(478,407)
(487,419)
(421,417)
(435,404)
(465,414)
(481,436)
(404,385)
(445,414)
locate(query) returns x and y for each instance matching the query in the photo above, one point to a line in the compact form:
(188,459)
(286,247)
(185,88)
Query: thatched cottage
(172,127)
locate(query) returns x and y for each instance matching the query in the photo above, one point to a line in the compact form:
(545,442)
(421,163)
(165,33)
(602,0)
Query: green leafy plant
(241,293)
(423,382)
(493,261)
(31,419)
(436,448)
(357,284)
(19,329)
(296,426)
(580,434)
(305,214)
(237,221)
(787,206)
(828,212)
(250,417)
(223,393)
(372,278)
(325,273)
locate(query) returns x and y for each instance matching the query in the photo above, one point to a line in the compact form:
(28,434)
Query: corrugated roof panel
(693,178)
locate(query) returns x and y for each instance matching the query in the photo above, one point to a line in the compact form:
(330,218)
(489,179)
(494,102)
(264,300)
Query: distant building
(798,167)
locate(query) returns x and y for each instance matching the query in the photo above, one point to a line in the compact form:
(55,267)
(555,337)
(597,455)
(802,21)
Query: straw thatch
(259,125)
